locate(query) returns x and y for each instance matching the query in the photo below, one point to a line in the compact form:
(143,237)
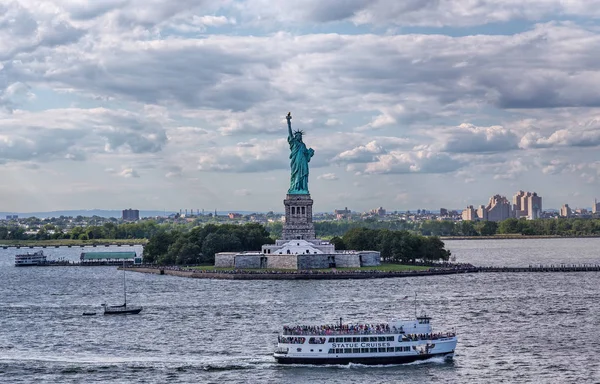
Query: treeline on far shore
(145,229)
(568,227)
(200,244)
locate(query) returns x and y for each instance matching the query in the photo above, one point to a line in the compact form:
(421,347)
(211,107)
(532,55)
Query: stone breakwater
(299,275)
(319,275)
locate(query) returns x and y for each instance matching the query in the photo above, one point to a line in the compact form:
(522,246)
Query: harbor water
(512,327)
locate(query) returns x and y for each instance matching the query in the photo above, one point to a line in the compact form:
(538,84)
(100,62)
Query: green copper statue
(299,159)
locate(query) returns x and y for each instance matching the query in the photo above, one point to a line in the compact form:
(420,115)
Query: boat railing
(393,331)
(342,332)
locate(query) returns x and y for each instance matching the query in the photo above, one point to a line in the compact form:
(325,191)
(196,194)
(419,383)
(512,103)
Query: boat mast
(124,288)
(415,305)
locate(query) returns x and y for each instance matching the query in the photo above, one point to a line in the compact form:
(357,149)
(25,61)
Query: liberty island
(299,248)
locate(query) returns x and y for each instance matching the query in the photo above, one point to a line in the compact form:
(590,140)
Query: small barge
(395,342)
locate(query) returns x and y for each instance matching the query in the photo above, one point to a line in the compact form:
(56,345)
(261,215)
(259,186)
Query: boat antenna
(415,304)
(124,288)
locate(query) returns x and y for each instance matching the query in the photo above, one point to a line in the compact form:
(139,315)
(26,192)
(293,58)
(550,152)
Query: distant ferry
(29,259)
(396,342)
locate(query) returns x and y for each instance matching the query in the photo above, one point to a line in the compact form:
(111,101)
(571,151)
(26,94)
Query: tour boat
(395,342)
(28,259)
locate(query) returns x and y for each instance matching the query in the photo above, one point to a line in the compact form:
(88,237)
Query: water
(513,328)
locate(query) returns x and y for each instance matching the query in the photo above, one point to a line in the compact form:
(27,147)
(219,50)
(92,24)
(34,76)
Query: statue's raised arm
(289,121)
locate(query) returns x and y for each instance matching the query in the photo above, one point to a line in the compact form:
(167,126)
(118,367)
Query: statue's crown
(299,131)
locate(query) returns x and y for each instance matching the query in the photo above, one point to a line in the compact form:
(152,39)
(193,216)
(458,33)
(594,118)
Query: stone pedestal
(298,218)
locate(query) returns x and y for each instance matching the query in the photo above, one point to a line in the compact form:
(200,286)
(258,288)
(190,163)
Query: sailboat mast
(124,288)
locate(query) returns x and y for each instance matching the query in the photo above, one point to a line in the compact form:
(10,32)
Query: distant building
(378,211)
(497,209)
(233,215)
(596,207)
(469,214)
(565,211)
(527,204)
(12,217)
(342,213)
(443,212)
(131,214)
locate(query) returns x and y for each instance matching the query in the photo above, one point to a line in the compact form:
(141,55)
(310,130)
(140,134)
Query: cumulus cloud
(361,154)
(75,133)
(562,138)
(398,162)
(129,173)
(468,138)
(327,176)
(260,156)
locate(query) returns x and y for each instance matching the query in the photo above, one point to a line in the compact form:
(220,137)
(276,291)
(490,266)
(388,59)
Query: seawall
(259,275)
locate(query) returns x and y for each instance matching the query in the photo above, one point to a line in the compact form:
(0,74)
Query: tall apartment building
(469,214)
(596,207)
(527,204)
(498,209)
(565,211)
(131,214)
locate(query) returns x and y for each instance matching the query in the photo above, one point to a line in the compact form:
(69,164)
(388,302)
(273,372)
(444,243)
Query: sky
(154,104)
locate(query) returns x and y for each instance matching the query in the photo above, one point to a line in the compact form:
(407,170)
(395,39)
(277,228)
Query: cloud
(242,192)
(467,138)
(327,176)
(77,133)
(423,161)
(261,156)
(431,13)
(562,138)
(361,154)
(129,173)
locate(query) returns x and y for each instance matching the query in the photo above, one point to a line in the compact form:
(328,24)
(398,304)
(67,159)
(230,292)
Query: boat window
(364,350)
(373,339)
(390,349)
(355,339)
(339,339)
(382,349)
(347,350)
(298,349)
(339,350)
(331,350)
(390,338)
(347,339)
(320,350)
(399,349)
(312,350)
(407,349)
(331,340)
(364,339)
(355,350)
(381,338)
(372,350)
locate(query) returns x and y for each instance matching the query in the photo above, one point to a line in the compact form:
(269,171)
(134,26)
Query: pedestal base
(298,217)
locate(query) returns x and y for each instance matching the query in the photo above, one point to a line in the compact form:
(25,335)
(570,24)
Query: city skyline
(427,104)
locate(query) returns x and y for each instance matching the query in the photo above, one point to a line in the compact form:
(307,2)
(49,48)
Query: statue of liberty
(299,159)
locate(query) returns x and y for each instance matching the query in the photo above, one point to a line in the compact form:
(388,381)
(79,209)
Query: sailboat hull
(122,311)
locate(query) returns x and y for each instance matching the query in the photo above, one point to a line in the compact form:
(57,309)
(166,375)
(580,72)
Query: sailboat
(123,309)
